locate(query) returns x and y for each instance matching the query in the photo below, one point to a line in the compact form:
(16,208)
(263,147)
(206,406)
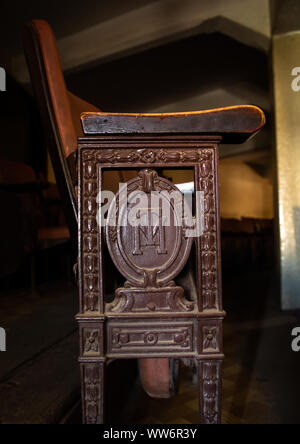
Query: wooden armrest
(235,124)
(79,106)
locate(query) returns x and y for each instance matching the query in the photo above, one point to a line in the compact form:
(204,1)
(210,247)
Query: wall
(243,192)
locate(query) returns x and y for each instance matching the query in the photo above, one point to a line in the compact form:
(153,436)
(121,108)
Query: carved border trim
(210,385)
(131,338)
(90,236)
(209,239)
(145,156)
(93,395)
(204,159)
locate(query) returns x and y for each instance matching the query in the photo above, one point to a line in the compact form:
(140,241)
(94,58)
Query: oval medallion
(145,233)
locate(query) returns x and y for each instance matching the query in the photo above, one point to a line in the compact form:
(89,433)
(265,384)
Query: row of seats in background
(32,220)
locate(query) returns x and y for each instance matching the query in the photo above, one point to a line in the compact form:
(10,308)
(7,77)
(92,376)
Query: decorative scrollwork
(146,156)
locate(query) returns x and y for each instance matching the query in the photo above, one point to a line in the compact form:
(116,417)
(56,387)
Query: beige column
(286,57)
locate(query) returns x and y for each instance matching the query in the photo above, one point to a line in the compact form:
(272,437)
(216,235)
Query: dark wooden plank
(238,122)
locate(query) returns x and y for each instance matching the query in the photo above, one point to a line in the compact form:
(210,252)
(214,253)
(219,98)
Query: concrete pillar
(286,57)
